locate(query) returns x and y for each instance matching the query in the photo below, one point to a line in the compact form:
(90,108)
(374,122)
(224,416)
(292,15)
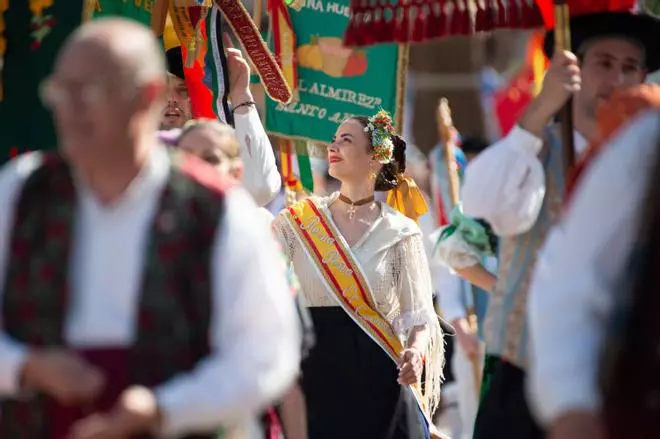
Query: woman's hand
(410,367)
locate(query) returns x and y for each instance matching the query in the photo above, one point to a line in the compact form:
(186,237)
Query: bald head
(108,88)
(125,47)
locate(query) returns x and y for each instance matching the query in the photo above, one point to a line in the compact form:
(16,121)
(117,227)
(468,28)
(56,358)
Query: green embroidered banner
(138,10)
(334,81)
(26,124)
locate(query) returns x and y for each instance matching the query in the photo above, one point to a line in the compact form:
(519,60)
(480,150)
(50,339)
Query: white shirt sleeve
(255,332)
(505,184)
(260,177)
(446,285)
(578,272)
(450,294)
(12,177)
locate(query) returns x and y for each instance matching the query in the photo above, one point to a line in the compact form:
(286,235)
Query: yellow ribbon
(407,198)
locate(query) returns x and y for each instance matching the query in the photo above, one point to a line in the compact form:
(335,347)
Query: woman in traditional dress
(376,367)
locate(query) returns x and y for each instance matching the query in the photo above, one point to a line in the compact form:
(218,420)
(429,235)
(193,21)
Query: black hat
(641,27)
(175,62)
(473,145)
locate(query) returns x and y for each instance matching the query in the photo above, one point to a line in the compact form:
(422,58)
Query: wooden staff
(257,12)
(563,42)
(446,131)
(159,10)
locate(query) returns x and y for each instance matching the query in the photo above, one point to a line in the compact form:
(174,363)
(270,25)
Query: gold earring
(372,175)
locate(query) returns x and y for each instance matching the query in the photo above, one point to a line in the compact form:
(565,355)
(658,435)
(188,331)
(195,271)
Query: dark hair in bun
(387,177)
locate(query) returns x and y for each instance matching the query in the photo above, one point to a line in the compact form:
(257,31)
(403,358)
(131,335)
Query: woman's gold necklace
(353,204)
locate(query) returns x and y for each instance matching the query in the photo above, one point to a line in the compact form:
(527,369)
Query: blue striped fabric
(440,176)
(506,329)
(215,67)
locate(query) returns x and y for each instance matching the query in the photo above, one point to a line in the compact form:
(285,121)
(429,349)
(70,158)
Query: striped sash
(341,274)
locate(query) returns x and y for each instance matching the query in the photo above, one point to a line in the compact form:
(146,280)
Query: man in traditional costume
(517,186)
(178,110)
(259,170)
(96,341)
(593,293)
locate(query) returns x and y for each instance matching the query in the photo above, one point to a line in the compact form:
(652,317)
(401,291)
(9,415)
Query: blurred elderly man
(134,299)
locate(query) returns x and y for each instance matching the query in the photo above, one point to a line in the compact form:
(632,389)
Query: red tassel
(384,27)
(457,25)
(502,13)
(531,16)
(379,27)
(403,25)
(419,28)
(367,32)
(353,30)
(465,18)
(481,22)
(514,13)
(437,25)
(349,34)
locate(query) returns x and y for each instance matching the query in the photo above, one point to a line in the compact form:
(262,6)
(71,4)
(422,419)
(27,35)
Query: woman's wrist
(241,98)
(418,351)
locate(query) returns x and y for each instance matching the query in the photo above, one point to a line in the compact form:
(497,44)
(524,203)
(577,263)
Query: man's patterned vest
(506,320)
(175,301)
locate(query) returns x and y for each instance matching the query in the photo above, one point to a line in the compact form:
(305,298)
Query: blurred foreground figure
(594,299)
(134,301)
(517,186)
(216,143)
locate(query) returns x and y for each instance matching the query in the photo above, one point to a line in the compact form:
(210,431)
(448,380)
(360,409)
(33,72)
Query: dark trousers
(503,411)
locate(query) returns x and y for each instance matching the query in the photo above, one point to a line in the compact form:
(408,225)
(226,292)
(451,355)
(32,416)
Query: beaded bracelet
(244,104)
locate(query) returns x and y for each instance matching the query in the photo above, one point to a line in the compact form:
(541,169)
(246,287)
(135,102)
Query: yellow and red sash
(344,279)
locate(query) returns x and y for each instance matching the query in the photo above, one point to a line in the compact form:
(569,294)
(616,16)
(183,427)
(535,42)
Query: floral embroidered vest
(175,300)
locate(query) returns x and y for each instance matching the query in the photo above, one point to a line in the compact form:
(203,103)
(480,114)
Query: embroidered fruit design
(328,54)
(309,56)
(356,65)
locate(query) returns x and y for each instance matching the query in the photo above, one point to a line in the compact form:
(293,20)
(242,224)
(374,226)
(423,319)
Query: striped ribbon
(215,72)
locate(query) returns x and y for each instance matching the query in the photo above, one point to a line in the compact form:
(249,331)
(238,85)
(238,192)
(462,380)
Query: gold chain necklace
(353,204)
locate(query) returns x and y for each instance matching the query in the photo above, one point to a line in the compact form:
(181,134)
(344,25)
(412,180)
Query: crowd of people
(150,288)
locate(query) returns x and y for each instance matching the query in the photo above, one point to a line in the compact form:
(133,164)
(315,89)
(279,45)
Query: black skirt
(350,385)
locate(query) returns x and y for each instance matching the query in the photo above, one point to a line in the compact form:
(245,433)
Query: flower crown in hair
(381,130)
